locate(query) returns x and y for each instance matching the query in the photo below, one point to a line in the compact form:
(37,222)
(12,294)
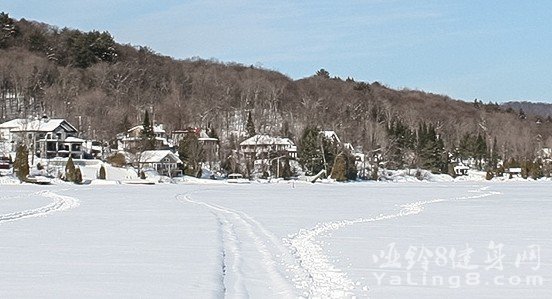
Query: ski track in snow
(60,203)
(327,281)
(247,245)
(247,250)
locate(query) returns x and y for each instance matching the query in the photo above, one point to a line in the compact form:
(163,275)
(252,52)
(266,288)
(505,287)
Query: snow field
(259,240)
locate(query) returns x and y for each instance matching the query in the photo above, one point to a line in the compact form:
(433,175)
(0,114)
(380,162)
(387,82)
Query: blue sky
(490,50)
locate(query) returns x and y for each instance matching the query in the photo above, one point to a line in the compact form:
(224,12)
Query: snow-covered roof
(202,134)
(514,170)
(157,156)
(292,148)
(73,139)
(349,146)
(330,135)
(37,125)
(156,128)
(207,139)
(263,139)
(461,167)
(165,141)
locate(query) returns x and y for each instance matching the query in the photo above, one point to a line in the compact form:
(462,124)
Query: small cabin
(164,162)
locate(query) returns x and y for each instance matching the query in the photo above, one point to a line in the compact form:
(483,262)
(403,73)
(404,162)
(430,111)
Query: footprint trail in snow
(253,258)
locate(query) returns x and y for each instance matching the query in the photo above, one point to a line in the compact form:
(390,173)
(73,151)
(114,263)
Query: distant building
(131,140)
(46,138)
(210,145)
(263,146)
(164,162)
(331,135)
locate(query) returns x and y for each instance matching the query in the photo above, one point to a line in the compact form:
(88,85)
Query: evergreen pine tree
(147,134)
(102,174)
(285,130)
(286,169)
(78,176)
(125,124)
(323,73)
(21,163)
(329,149)
(465,147)
(309,154)
(191,153)
(493,163)
(402,139)
(70,170)
(480,150)
(352,172)
(212,133)
(250,126)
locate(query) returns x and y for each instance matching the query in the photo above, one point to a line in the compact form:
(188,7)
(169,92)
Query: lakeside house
(131,140)
(262,146)
(164,162)
(46,138)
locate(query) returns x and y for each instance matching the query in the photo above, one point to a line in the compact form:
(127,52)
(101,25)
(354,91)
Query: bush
(101,174)
(117,160)
(21,164)
(78,176)
(489,176)
(339,170)
(70,170)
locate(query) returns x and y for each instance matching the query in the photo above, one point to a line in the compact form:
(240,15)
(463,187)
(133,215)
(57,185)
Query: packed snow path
(247,245)
(327,279)
(60,203)
(251,255)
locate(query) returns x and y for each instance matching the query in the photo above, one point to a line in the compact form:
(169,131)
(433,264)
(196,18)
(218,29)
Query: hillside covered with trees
(105,87)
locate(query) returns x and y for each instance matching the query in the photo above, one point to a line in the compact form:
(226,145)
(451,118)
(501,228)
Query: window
(51,146)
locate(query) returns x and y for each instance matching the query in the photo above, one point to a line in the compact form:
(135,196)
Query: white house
(164,162)
(45,137)
(261,146)
(131,139)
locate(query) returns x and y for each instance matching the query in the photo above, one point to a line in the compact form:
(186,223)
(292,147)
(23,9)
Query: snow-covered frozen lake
(286,240)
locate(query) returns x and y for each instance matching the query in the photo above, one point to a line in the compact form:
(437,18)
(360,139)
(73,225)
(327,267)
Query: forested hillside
(543,110)
(104,87)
